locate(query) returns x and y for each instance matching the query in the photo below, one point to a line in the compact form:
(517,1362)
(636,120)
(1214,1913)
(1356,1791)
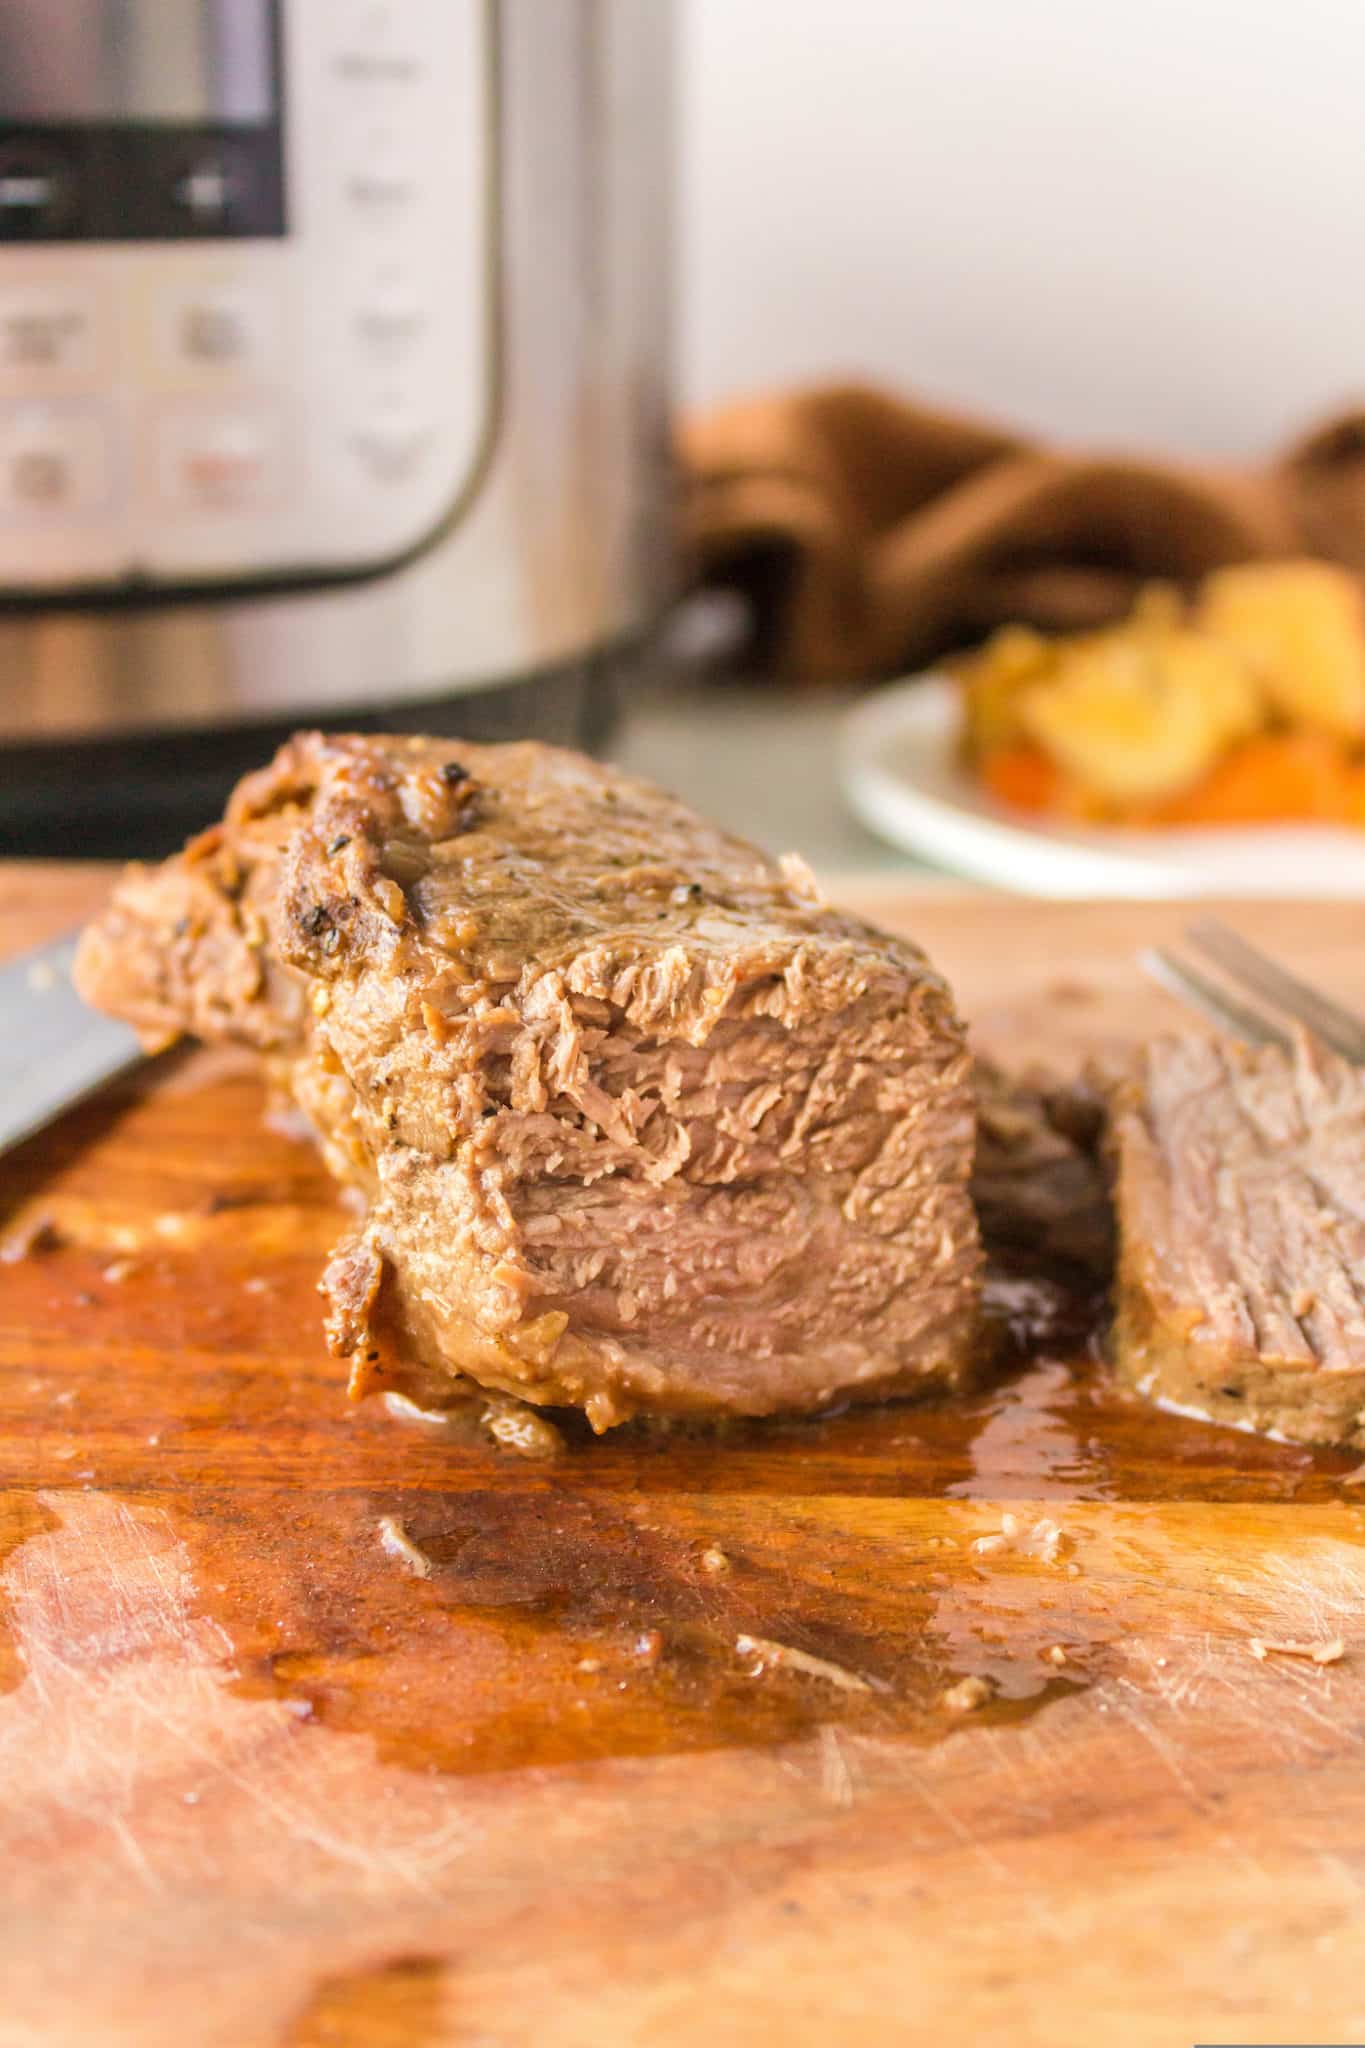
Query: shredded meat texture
(1038,1182)
(639,1123)
(1240,1182)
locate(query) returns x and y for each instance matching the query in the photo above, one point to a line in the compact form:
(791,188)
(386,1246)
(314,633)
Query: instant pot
(333,346)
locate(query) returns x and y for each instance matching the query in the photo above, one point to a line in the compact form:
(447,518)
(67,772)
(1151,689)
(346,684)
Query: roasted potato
(993,680)
(1136,717)
(1300,626)
(1246,703)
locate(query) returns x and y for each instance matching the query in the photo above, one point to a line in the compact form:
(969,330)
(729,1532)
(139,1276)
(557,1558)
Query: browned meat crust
(1241,1205)
(640,1124)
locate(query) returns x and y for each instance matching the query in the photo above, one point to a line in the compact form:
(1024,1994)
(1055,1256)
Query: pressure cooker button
(213,333)
(383,182)
(53,460)
(371,50)
(224,459)
(216,329)
(377,67)
(390,319)
(380,189)
(37,192)
(391,446)
(46,331)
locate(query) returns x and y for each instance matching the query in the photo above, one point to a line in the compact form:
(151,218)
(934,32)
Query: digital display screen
(97,61)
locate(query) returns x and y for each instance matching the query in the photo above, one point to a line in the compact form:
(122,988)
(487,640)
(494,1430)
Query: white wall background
(1136,221)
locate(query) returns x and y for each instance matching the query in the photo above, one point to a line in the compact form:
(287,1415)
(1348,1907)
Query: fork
(1254,974)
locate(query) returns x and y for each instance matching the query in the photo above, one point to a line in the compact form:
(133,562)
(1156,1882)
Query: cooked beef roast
(1038,1184)
(1240,1182)
(639,1124)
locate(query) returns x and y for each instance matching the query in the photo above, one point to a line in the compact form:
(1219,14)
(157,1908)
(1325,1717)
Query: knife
(54,1050)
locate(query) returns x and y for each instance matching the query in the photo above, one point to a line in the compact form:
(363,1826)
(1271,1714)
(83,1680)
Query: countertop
(663,1739)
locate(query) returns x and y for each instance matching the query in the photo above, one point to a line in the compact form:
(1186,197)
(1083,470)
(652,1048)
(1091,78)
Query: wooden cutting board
(263,1784)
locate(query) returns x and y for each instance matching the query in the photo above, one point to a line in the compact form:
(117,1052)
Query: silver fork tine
(1190,986)
(1246,964)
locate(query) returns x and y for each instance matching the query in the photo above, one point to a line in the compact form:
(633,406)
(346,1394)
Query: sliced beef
(1240,1182)
(639,1123)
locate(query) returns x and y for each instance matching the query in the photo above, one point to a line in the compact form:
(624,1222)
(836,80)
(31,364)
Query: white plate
(903,777)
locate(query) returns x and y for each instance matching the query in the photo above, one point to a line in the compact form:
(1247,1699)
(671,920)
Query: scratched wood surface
(261,1784)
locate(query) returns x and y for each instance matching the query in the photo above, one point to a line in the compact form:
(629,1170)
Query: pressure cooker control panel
(246,285)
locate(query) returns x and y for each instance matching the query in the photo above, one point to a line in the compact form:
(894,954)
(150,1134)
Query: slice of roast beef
(640,1125)
(1240,1185)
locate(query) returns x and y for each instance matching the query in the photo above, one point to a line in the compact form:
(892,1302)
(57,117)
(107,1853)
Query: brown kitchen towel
(872,533)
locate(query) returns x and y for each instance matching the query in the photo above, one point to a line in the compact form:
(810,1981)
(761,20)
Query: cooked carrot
(1023,777)
(1275,777)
